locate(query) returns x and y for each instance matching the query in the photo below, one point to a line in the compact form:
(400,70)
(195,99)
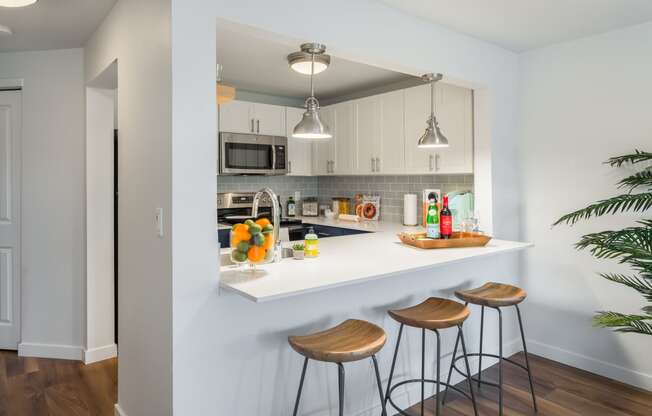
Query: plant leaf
(624,323)
(636,157)
(621,203)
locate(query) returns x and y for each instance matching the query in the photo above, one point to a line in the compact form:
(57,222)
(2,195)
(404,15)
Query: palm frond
(621,203)
(637,180)
(643,286)
(641,324)
(636,157)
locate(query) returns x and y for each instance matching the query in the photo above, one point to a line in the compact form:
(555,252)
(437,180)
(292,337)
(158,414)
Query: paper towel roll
(410,209)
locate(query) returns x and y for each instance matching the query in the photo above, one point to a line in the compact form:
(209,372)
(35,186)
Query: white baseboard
(101,353)
(118,410)
(64,352)
(603,368)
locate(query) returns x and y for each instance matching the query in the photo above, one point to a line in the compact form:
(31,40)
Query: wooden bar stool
(432,314)
(495,296)
(352,340)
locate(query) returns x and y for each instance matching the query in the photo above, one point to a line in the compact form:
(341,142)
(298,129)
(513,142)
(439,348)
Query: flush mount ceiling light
(432,137)
(16,3)
(5,30)
(311,126)
(301,61)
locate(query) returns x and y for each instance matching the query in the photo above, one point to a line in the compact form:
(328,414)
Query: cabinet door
(323,149)
(417,111)
(367,132)
(270,119)
(344,139)
(391,156)
(299,150)
(236,117)
(455,114)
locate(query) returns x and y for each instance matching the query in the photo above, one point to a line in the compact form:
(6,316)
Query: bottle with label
(311,244)
(446,220)
(292,207)
(432,219)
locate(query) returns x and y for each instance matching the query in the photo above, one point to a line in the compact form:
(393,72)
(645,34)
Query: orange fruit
(269,241)
(240,228)
(256,254)
(235,239)
(262,222)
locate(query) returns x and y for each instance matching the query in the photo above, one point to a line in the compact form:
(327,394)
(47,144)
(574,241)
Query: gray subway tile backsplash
(390,188)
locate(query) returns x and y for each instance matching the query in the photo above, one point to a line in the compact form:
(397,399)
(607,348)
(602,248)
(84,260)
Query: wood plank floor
(561,391)
(45,387)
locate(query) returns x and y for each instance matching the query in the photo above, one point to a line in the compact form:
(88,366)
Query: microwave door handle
(273,157)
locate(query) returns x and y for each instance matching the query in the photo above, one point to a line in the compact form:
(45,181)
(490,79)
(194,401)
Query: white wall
(230,355)
(99,340)
(581,103)
(137,34)
(53,199)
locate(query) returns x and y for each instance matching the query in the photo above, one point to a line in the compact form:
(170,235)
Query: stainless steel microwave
(252,154)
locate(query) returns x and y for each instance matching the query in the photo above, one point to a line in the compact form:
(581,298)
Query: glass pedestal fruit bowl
(253,242)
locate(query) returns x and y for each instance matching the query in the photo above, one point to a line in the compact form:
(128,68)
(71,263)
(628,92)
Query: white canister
(410,209)
(336,206)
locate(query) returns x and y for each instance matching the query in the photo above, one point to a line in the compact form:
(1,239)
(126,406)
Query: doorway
(10,185)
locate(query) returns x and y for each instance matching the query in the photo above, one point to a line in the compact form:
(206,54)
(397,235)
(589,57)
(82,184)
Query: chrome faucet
(276,215)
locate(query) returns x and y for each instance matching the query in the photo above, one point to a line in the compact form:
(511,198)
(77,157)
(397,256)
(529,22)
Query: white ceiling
(257,61)
(520,25)
(52,24)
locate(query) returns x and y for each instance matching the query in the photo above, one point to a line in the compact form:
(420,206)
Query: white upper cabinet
(367,133)
(323,150)
(453,108)
(391,156)
(344,139)
(299,150)
(245,117)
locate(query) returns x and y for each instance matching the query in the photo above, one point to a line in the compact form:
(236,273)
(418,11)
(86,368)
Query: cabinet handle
(252,125)
(257,126)
(289,166)
(377,164)
(431,162)
(437,162)
(373,165)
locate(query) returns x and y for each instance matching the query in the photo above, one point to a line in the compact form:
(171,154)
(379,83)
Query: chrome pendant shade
(311,126)
(432,137)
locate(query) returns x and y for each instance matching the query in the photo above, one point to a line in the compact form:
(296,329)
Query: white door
(417,111)
(299,150)
(270,119)
(455,115)
(237,117)
(367,134)
(391,157)
(323,149)
(345,148)
(10,124)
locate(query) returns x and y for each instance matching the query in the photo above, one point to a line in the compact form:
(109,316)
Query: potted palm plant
(631,246)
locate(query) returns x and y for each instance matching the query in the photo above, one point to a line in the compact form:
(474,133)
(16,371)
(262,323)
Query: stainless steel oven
(252,154)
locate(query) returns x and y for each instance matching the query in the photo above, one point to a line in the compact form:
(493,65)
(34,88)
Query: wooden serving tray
(457,240)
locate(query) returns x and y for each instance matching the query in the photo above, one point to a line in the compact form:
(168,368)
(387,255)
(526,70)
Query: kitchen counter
(348,260)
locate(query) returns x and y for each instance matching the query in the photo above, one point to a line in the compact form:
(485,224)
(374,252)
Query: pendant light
(311,126)
(223,93)
(302,61)
(16,3)
(432,137)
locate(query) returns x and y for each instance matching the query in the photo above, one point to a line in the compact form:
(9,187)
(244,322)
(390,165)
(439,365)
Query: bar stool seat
(493,295)
(433,313)
(352,340)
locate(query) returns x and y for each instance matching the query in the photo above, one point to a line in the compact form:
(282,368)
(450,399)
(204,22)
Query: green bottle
(432,219)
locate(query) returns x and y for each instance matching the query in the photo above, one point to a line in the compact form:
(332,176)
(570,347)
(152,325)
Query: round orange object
(263,222)
(241,228)
(269,241)
(235,239)
(256,254)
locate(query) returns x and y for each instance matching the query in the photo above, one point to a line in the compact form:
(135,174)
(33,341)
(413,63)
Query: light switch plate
(158,219)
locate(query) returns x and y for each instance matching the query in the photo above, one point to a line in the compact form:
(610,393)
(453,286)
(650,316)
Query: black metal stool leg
(303,375)
(450,370)
(468,370)
(527,361)
(500,362)
(380,385)
(340,379)
(481,337)
(438,404)
(423,370)
(391,371)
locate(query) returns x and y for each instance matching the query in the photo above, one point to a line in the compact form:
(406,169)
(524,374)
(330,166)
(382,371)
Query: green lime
(269,228)
(243,246)
(258,239)
(239,256)
(254,229)
(249,222)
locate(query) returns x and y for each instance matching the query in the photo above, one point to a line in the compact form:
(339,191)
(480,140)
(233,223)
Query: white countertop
(347,260)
